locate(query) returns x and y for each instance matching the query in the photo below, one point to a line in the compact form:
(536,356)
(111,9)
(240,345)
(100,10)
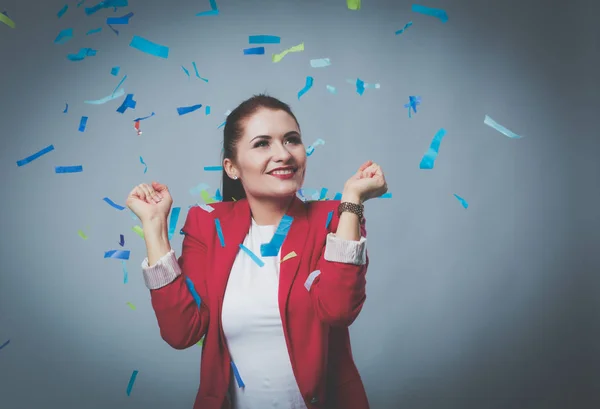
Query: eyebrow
(290,133)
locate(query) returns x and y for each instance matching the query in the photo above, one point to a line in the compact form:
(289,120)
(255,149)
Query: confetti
(36,155)
(490,122)
(187,110)
(338,196)
(288,256)
(106,4)
(201,342)
(113,204)
(462,201)
(107,98)
(113,29)
(131,306)
(68,169)
(115,70)
(430,156)
(120,83)
(120,254)
(271,249)
(129,102)
(82,234)
(94,31)
(121,240)
(149,47)
(353,4)
(331,89)
(294,49)
(125,273)
(5,344)
(131,382)
(413,101)
(387,195)
(6,20)
(83,123)
(263,39)
(320,63)
(207,110)
(206,197)
(218,196)
(254,51)
(220,232)
(82,54)
(143,163)
(138,230)
(62,11)
(310,149)
(253,256)
(119,20)
(64,36)
(213,168)
(173,221)
(238,378)
(145,117)
(410,23)
(308,85)
(437,13)
(360,86)
(214,11)
(192,290)
(329,217)
(311,278)
(66,108)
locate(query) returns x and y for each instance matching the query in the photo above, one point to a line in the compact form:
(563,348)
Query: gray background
(490,307)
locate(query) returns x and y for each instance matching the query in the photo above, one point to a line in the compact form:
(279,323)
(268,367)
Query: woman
(279,280)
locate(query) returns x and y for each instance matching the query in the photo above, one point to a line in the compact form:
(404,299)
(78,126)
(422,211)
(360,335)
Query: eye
(295,140)
(260,144)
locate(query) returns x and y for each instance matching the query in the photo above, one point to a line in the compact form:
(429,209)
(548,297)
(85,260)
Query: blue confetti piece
(192,290)
(82,54)
(113,29)
(143,163)
(36,155)
(106,4)
(62,11)
(491,123)
(149,47)
(323,195)
(66,108)
(196,70)
(127,103)
(254,51)
(207,110)
(264,39)
(220,232)
(430,156)
(308,85)
(214,11)
(272,248)
(80,3)
(218,196)
(410,23)
(187,110)
(68,169)
(83,123)
(113,204)
(413,101)
(121,240)
(146,117)
(173,221)
(94,31)
(238,378)
(119,254)
(360,86)
(119,84)
(125,273)
(329,217)
(5,344)
(119,20)
(213,168)
(437,13)
(186,71)
(462,201)
(338,196)
(64,36)
(386,196)
(115,71)
(253,256)
(131,381)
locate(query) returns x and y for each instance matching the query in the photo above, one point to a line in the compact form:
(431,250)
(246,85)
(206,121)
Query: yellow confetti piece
(138,230)
(294,49)
(4,18)
(82,234)
(290,255)
(131,306)
(353,4)
(206,197)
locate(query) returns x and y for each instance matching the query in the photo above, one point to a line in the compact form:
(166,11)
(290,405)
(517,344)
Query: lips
(285,170)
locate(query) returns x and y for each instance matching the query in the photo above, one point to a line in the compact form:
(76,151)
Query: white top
(254,331)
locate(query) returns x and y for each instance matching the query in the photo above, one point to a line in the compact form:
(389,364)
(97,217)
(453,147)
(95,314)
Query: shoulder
(199,219)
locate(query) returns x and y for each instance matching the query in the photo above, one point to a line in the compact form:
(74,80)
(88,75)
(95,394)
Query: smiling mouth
(283,172)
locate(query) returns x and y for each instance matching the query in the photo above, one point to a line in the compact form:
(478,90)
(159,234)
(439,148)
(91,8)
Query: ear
(230,168)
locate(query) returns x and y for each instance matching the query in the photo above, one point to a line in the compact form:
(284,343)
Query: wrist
(351,197)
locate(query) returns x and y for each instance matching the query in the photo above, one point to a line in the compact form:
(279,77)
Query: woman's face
(271,158)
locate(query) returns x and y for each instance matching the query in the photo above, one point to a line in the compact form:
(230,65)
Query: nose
(281,153)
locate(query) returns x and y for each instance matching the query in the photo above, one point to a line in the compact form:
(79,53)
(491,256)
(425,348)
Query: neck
(268,212)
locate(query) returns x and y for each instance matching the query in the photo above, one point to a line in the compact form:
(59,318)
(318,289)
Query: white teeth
(282,172)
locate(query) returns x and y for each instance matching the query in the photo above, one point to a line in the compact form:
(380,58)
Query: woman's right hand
(150,202)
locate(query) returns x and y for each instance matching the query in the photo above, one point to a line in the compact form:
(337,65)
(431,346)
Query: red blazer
(315,322)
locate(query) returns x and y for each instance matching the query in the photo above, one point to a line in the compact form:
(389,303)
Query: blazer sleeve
(182,323)
(338,285)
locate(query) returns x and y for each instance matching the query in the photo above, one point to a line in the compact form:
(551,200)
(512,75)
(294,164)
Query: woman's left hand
(368,182)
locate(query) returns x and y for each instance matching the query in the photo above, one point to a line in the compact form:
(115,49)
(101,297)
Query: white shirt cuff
(346,251)
(164,272)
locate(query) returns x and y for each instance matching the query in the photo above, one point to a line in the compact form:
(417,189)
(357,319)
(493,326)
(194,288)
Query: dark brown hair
(234,128)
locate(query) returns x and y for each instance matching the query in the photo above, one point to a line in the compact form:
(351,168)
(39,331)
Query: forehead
(269,122)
